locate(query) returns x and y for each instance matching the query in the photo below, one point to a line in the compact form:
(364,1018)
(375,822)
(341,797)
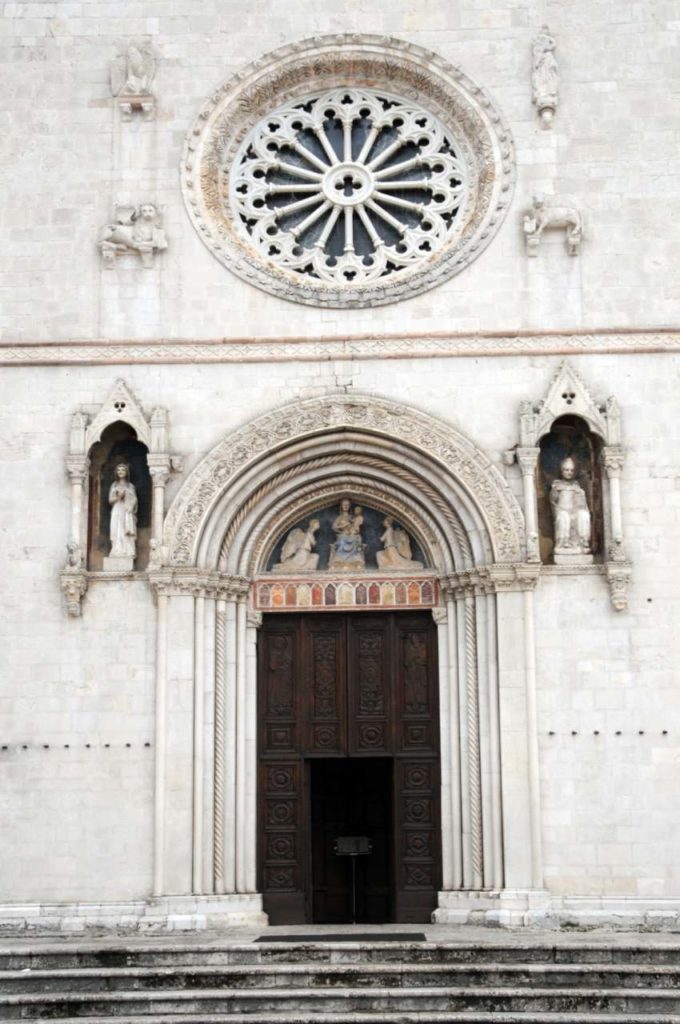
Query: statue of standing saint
(544,76)
(571,517)
(123,529)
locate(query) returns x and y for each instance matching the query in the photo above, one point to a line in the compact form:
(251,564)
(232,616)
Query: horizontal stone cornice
(413,345)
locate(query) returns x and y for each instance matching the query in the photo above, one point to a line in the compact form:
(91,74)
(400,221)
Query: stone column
(528,459)
(159,781)
(77,466)
(159,469)
(612,459)
(198,765)
(253,623)
(518,726)
(450,838)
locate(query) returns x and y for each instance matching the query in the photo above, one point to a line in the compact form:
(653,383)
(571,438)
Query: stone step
(179,954)
(466,1017)
(349,975)
(307,1003)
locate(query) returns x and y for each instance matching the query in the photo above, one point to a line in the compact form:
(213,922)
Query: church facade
(339,394)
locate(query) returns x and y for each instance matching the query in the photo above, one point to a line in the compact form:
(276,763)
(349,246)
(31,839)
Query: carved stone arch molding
(428,448)
(425,119)
(253,486)
(567,396)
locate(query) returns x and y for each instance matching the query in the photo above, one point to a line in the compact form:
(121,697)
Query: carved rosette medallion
(348,170)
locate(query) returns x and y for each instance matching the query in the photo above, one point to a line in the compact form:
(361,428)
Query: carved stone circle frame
(309,67)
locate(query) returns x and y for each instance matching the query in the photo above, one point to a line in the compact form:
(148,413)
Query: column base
(156,915)
(501,908)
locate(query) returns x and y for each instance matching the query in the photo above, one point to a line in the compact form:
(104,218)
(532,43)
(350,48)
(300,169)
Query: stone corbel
(73,584)
(618,577)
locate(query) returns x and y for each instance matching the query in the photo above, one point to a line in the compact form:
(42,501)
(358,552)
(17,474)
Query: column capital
(195,582)
(527,459)
(159,468)
(77,467)
(613,457)
(253,618)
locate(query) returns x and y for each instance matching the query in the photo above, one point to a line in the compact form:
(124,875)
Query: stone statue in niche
(123,529)
(544,80)
(131,76)
(571,517)
(541,216)
(296,553)
(396,553)
(348,551)
(136,230)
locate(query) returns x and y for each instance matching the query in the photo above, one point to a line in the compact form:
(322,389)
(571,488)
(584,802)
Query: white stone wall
(66,160)
(77,820)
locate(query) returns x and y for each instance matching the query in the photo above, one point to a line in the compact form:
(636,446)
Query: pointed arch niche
(219,535)
(120,432)
(569,422)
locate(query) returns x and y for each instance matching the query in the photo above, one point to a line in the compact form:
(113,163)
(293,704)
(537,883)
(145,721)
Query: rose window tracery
(348,170)
(349,185)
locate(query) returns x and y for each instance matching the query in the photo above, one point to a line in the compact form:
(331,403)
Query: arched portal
(217,582)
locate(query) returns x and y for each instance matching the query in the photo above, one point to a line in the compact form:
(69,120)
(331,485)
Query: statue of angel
(296,553)
(132,72)
(396,553)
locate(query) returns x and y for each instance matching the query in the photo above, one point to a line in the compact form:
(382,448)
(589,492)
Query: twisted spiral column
(472,716)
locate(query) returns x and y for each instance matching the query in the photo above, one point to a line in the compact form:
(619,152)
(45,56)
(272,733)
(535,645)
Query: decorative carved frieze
(344,348)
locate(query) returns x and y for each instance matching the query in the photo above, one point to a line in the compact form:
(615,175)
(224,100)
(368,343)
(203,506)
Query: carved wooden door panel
(337,687)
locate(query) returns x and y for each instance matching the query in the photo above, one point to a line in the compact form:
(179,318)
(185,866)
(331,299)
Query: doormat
(347,937)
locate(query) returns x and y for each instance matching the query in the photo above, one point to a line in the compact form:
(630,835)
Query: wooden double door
(348,750)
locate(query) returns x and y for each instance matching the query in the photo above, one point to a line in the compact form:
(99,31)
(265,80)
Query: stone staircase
(338,982)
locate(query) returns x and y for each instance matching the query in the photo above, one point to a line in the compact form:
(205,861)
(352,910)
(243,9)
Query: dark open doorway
(351,801)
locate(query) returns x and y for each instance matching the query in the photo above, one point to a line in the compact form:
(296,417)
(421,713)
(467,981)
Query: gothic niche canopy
(348,171)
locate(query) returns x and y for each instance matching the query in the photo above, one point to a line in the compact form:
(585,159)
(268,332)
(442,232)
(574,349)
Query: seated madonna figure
(347,553)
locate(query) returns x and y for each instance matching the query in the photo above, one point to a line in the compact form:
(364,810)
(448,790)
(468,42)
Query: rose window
(349,186)
(348,170)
